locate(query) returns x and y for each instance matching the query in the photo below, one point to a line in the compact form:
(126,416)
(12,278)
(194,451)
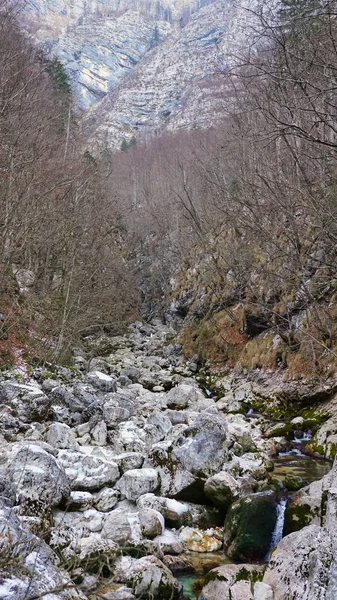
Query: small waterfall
(302,436)
(278,529)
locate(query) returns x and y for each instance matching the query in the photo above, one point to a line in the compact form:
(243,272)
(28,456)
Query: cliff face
(141,67)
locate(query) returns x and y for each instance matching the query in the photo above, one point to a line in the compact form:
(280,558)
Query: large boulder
(28,402)
(302,566)
(249,527)
(62,436)
(136,482)
(175,513)
(148,577)
(35,478)
(29,564)
(231,582)
(152,522)
(101,381)
(197,453)
(222,489)
(88,472)
(122,527)
(117,408)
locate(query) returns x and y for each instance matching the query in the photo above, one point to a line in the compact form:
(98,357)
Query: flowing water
(278,531)
(295,462)
(291,462)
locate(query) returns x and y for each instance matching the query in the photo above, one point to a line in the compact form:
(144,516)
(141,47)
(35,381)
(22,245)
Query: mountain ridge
(140,71)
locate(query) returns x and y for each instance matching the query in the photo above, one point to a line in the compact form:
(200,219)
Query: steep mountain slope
(177,84)
(143,66)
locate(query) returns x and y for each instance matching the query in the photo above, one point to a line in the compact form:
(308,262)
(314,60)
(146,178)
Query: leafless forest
(102,236)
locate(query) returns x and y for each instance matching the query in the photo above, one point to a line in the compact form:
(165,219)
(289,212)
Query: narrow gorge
(168,300)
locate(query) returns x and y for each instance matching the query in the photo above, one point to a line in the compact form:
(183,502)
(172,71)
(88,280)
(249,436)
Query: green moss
(252,576)
(215,576)
(293,482)
(297,516)
(249,526)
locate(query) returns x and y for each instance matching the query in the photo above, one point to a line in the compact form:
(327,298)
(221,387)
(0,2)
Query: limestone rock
(263,591)
(136,482)
(61,435)
(33,564)
(299,567)
(222,489)
(121,527)
(106,499)
(152,522)
(35,478)
(87,472)
(102,382)
(227,580)
(149,576)
(168,543)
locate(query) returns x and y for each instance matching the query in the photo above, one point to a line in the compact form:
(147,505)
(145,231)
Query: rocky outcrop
(141,66)
(231,581)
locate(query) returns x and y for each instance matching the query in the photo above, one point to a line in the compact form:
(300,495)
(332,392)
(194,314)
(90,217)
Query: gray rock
(61,435)
(80,501)
(263,591)
(149,576)
(176,513)
(87,472)
(35,478)
(118,527)
(136,482)
(223,582)
(102,382)
(99,434)
(222,489)
(180,397)
(129,460)
(32,564)
(106,499)
(28,401)
(300,565)
(96,553)
(169,543)
(152,522)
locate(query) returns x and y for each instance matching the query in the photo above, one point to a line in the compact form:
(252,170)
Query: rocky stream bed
(124,477)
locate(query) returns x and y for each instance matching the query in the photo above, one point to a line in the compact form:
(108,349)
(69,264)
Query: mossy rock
(293,483)
(297,516)
(249,526)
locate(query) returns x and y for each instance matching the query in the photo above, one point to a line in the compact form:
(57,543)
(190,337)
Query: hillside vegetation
(234,227)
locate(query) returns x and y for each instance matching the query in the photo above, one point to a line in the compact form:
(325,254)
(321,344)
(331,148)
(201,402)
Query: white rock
(136,482)
(262,591)
(87,472)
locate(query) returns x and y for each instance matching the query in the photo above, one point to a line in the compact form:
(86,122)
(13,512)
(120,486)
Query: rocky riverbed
(120,474)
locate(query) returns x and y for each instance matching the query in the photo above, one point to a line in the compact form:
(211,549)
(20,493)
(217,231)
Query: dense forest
(241,215)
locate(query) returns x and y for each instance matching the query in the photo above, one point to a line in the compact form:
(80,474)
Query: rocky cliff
(142,67)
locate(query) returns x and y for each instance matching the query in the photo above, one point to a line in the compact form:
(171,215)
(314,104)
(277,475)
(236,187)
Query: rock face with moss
(304,564)
(228,581)
(249,526)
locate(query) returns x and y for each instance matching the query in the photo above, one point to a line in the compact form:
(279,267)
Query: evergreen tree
(155,36)
(124,146)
